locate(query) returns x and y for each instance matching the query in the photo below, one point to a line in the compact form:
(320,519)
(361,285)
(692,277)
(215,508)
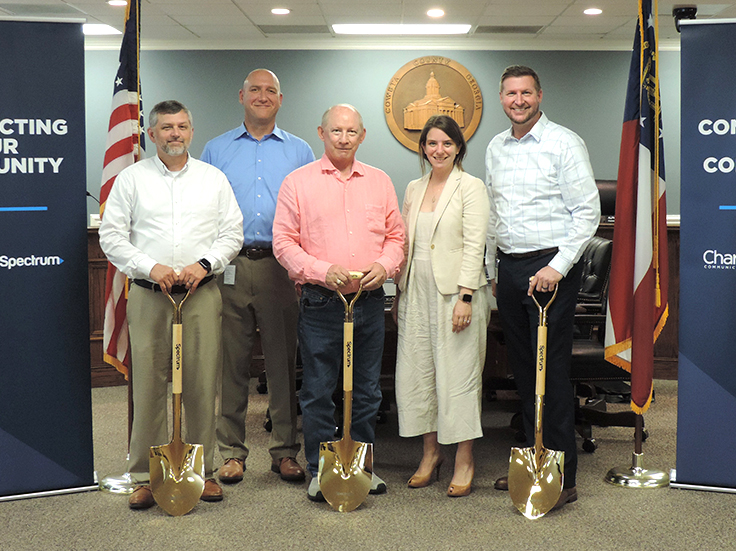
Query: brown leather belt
(256,253)
(532,254)
(175,289)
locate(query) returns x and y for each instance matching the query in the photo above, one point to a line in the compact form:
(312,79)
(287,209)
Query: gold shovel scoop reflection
(536,474)
(176,469)
(345,468)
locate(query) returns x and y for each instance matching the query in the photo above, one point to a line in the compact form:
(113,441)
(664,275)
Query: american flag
(125,146)
(637,301)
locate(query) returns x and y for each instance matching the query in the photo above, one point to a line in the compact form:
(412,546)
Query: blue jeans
(321,320)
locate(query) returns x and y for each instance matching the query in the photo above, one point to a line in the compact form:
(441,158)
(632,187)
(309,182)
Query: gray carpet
(264,512)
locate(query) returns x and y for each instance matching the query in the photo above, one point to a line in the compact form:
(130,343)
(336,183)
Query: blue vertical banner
(45,394)
(706,432)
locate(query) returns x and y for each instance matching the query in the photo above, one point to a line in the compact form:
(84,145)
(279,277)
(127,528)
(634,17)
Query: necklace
(437,192)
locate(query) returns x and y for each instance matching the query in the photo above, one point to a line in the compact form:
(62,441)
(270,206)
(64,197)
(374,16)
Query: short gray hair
(168,107)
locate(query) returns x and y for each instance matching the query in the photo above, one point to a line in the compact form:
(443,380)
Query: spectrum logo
(713,260)
(32,261)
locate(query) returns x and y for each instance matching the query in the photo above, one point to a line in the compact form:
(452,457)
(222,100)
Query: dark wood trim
(103,374)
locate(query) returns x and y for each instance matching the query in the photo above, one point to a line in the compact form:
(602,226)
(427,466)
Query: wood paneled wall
(103,374)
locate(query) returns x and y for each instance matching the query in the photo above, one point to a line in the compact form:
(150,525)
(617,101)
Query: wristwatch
(467,298)
(205,264)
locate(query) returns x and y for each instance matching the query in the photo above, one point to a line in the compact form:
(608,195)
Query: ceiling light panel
(400,29)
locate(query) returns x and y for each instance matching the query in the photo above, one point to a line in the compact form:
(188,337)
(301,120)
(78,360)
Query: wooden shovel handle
(541,365)
(176,345)
(176,358)
(347,357)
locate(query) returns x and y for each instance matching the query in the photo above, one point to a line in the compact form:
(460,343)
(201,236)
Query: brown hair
(450,127)
(513,71)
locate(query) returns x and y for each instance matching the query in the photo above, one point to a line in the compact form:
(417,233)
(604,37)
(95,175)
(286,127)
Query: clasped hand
(167,277)
(338,277)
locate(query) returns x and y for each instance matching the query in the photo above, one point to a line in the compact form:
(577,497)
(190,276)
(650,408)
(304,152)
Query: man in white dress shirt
(544,209)
(170,224)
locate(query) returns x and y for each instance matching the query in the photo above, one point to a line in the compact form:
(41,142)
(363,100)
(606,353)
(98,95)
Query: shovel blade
(345,473)
(177,476)
(535,480)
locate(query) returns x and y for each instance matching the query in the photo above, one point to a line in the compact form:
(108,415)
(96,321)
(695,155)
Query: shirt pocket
(375,219)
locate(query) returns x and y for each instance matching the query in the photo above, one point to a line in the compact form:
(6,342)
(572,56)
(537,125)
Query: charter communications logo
(713,260)
(33,261)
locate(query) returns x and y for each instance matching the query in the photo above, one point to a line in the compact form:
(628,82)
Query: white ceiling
(249,24)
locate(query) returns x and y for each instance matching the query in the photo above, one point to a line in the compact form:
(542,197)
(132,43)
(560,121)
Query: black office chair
(597,381)
(589,368)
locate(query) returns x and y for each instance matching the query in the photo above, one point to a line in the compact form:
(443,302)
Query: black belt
(532,254)
(325,292)
(175,289)
(256,253)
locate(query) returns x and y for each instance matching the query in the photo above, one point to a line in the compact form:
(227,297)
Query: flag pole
(125,483)
(642,353)
(636,475)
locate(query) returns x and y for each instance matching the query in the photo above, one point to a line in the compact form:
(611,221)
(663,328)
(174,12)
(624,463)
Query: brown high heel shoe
(424,481)
(455,490)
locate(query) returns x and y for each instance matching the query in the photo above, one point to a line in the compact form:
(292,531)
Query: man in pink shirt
(334,216)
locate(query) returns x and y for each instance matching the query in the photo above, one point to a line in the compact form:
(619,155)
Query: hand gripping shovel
(536,474)
(177,468)
(346,466)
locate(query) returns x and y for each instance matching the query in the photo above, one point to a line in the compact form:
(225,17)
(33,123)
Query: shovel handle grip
(347,358)
(176,356)
(541,365)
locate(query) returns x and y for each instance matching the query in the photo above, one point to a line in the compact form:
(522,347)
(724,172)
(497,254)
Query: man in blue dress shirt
(256,291)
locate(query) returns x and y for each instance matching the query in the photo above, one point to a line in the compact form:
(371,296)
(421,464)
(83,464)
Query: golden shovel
(536,474)
(345,466)
(176,469)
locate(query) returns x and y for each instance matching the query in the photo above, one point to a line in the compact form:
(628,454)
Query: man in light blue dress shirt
(257,294)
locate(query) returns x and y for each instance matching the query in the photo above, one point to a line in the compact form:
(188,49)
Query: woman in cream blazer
(443,307)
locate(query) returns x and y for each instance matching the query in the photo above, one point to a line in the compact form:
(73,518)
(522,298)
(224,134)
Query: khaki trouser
(150,317)
(262,299)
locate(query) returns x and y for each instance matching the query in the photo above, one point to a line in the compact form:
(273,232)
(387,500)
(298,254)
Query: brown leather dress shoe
(232,470)
(141,498)
(568,495)
(212,491)
(502,484)
(288,469)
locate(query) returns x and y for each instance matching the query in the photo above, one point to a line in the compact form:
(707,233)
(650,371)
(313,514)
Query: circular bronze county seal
(431,85)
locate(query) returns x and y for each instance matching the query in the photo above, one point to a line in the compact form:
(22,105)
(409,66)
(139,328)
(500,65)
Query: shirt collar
(535,133)
(164,169)
(327,166)
(277,134)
